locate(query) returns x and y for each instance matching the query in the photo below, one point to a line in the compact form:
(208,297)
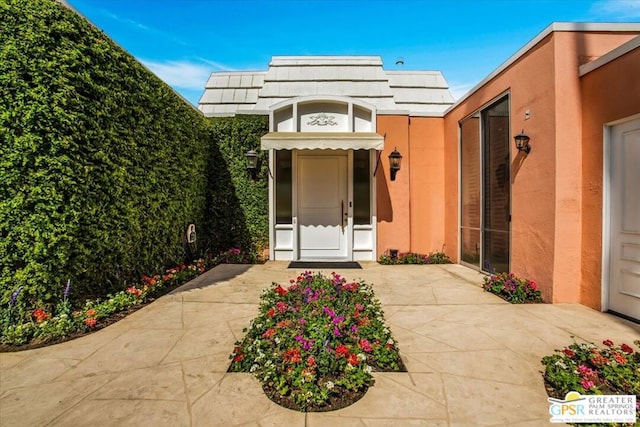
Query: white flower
(253,367)
(277,340)
(390,341)
(361,357)
(368,369)
(561,364)
(329,385)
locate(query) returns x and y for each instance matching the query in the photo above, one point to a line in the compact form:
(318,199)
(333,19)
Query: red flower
(40,315)
(292,356)
(238,357)
(352,359)
(608,343)
(269,333)
(363,321)
(271,312)
(620,359)
(281,290)
(90,322)
(284,324)
(389,346)
(627,349)
(132,290)
(569,352)
(342,350)
(350,286)
(311,361)
(598,359)
(91,312)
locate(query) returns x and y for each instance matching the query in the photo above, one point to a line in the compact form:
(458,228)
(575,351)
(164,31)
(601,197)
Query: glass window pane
(470,172)
(283,187)
(361,187)
(496,187)
(470,240)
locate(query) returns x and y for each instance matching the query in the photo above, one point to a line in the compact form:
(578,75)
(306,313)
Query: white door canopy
(322,141)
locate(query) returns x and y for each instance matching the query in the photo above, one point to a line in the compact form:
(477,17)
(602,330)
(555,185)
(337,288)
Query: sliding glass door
(485,189)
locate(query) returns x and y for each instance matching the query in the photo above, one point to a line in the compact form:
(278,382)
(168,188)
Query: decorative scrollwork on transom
(322,119)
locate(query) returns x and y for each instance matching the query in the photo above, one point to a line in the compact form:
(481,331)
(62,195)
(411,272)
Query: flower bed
(415,258)
(48,325)
(315,343)
(588,369)
(512,289)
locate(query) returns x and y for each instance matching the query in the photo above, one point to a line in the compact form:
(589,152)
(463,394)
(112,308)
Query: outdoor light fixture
(522,142)
(394,163)
(252,163)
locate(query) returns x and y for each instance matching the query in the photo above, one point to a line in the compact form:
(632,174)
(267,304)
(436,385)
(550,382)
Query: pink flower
(584,370)
(282,306)
(533,286)
(587,384)
(364,345)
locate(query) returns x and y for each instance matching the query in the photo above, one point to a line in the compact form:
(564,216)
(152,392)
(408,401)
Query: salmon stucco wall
(530,87)
(571,50)
(393,207)
(426,169)
(607,96)
(546,185)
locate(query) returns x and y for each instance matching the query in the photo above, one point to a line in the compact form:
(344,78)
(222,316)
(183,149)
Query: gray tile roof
(360,77)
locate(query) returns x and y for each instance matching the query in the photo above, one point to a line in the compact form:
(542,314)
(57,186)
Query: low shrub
(415,258)
(316,341)
(512,289)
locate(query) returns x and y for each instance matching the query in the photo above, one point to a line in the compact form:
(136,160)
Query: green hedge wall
(243,220)
(102,165)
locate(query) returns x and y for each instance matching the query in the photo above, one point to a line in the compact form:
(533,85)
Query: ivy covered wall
(102,165)
(247,225)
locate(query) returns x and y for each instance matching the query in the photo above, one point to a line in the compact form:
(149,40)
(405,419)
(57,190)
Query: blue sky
(183,41)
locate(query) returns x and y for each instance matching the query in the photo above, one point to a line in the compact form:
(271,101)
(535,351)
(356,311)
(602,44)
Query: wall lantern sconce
(395,159)
(522,142)
(251,157)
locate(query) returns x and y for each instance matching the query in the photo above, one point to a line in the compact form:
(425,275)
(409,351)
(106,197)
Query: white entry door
(624,283)
(322,207)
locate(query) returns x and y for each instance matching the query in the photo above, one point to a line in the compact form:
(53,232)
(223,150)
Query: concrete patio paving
(472,359)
